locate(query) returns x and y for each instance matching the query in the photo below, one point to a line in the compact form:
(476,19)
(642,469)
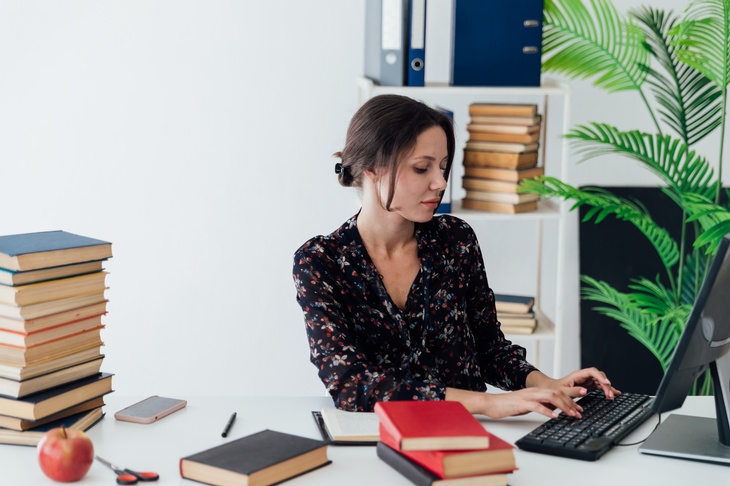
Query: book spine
(416,474)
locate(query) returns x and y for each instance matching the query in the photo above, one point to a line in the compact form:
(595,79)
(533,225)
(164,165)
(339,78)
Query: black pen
(229,425)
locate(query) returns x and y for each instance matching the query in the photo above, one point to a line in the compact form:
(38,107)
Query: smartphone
(150,409)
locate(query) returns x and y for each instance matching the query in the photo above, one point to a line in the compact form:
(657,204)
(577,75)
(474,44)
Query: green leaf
(689,103)
(581,42)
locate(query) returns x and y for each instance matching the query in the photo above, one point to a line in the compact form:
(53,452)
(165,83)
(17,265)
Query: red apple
(65,455)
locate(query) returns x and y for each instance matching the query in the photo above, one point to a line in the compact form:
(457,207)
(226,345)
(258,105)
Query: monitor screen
(704,344)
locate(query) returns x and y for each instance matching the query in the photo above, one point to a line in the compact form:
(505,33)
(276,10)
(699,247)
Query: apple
(65,455)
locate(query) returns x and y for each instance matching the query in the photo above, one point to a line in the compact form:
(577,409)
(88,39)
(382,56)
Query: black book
(421,476)
(263,458)
(47,402)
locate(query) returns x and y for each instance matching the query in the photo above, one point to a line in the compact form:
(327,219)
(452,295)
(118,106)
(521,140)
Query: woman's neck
(384,232)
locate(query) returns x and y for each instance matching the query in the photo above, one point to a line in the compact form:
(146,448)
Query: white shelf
(557,267)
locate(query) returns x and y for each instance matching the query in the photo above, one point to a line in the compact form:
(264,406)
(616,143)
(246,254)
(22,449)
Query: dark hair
(383,130)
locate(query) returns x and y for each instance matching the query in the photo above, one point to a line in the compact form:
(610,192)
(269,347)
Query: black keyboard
(604,424)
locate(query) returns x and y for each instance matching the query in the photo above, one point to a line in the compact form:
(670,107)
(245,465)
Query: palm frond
(595,42)
(714,220)
(657,334)
(689,103)
(682,169)
(703,39)
(604,204)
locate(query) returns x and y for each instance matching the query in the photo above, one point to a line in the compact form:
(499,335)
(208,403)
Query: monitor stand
(687,437)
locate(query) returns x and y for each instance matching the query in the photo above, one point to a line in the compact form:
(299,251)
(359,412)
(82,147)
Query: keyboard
(604,424)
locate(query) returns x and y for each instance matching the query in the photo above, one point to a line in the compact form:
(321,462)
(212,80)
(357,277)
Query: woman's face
(420,178)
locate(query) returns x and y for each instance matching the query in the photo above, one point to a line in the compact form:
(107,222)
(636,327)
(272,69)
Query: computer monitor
(704,343)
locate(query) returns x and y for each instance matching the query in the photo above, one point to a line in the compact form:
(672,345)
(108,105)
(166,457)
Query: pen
(229,425)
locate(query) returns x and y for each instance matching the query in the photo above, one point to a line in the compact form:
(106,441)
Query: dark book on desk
(49,290)
(513,303)
(431,424)
(263,458)
(80,421)
(10,277)
(499,458)
(421,476)
(31,251)
(48,402)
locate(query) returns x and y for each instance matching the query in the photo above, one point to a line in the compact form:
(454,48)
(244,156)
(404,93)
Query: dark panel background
(615,251)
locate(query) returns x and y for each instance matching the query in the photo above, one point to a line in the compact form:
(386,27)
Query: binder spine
(417,42)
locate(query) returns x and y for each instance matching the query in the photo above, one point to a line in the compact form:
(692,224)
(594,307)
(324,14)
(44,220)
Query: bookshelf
(552,230)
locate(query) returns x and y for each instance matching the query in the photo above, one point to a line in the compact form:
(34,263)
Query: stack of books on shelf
(440,442)
(52,287)
(501,151)
(515,313)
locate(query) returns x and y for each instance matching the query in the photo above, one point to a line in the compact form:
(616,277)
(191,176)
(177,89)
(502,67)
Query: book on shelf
(498,207)
(15,423)
(34,311)
(27,340)
(81,421)
(516,323)
(507,329)
(266,457)
(514,303)
(473,128)
(508,120)
(349,428)
(10,277)
(484,136)
(54,349)
(501,197)
(19,389)
(47,402)
(493,185)
(431,424)
(502,147)
(503,109)
(499,458)
(421,476)
(21,372)
(52,289)
(31,251)
(509,175)
(502,160)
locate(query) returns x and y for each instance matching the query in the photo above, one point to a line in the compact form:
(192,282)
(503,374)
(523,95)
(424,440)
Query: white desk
(159,447)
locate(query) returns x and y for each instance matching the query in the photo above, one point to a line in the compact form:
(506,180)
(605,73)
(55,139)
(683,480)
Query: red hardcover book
(431,425)
(499,458)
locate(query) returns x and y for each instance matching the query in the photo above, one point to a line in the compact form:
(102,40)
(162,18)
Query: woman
(396,301)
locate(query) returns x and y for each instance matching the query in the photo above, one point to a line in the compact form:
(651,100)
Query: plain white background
(197,137)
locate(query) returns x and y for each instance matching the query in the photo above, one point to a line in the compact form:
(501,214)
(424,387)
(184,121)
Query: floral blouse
(367,349)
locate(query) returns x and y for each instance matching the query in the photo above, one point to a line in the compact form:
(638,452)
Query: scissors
(127,476)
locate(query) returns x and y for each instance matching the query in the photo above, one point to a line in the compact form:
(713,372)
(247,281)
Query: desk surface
(159,447)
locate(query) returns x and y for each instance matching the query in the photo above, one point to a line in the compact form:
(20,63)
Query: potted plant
(678,67)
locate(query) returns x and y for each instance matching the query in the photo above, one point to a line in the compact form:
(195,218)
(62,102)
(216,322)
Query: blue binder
(386,42)
(416,42)
(497,43)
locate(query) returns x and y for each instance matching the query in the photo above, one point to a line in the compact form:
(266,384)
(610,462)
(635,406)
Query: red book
(431,425)
(499,458)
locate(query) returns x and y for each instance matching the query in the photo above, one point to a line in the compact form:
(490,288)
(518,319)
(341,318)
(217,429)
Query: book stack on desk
(52,300)
(515,313)
(501,151)
(440,442)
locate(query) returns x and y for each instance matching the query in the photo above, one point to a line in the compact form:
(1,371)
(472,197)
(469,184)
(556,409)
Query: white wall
(196,135)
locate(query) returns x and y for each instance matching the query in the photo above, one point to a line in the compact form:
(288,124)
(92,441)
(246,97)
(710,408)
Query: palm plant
(679,67)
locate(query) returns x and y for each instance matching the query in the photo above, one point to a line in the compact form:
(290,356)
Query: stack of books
(52,300)
(501,151)
(515,313)
(432,442)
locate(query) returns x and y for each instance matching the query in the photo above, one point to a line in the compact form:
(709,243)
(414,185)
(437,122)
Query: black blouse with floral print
(367,349)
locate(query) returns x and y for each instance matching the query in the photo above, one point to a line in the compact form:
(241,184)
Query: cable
(644,439)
